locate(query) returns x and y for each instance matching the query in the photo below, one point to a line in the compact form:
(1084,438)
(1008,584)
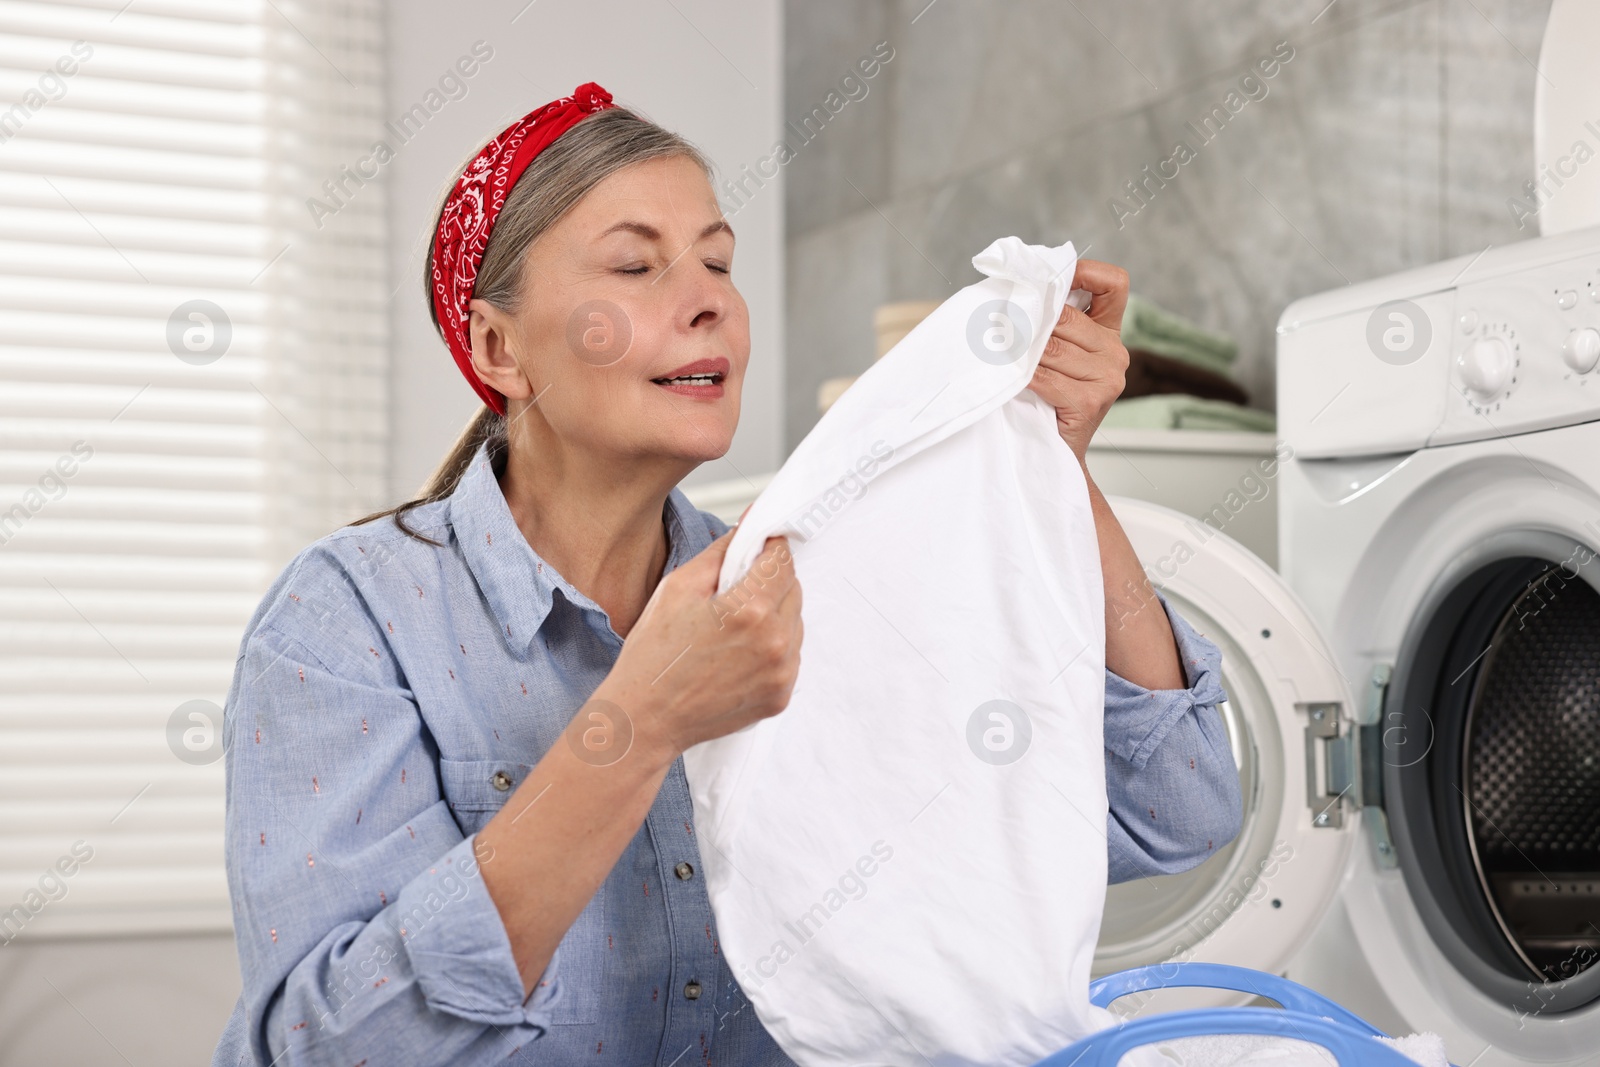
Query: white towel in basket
(1254,1050)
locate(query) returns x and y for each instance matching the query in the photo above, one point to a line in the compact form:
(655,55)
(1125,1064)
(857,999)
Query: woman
(431,860)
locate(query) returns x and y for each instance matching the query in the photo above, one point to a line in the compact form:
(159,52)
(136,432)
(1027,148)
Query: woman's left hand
(1082,369)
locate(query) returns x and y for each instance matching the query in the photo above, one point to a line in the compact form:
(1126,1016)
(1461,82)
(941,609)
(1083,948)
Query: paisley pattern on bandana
(473,204)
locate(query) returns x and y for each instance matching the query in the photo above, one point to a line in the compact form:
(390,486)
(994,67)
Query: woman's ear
(496,354)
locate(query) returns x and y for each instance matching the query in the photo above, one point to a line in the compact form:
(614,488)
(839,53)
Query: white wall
(710,70)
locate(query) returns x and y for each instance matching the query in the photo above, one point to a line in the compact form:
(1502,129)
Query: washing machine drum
(1491,753)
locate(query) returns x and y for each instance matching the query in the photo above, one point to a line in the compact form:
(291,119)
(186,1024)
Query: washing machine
(1415,695)
(1440,521)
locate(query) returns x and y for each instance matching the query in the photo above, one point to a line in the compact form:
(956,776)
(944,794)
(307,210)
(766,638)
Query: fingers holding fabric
(1108,285)
(1080,375)
(1083,349)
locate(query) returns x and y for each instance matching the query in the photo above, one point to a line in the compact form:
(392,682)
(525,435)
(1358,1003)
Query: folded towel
(1175,411)
(1151,375)
(1151,328)
(1252,1050)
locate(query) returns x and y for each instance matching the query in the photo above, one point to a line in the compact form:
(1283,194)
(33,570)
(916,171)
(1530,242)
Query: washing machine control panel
(1502,342)
(1525,352)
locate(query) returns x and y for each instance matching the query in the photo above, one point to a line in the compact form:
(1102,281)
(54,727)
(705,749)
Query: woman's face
(632,341)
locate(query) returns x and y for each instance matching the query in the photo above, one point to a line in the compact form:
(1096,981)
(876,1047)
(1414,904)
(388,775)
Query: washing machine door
(1289,720)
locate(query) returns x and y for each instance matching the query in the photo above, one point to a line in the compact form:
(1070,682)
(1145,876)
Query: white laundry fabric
(1242,1050)
(1426,1048)
(908,865)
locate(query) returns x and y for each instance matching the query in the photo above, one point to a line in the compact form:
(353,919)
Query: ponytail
(484,426)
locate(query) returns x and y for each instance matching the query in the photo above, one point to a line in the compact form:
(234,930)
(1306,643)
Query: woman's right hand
(693,667)
(697,665)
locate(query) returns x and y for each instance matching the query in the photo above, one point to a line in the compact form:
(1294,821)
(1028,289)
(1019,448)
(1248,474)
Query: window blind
(192,388)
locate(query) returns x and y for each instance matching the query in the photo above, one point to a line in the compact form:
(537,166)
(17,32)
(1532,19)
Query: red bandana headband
(470,211)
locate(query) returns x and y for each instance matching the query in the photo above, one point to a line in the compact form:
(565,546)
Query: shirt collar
(518,584)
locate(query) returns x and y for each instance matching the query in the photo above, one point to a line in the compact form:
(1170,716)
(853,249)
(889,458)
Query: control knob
(1485,367)
(1581,350)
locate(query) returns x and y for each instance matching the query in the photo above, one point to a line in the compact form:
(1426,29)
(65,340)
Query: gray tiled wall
(1392,138)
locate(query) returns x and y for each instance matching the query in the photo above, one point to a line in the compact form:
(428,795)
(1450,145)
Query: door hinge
(1372,750)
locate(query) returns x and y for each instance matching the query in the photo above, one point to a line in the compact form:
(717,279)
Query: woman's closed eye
(720,268)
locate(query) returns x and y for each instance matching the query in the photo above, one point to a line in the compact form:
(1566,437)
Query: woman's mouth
(703,379)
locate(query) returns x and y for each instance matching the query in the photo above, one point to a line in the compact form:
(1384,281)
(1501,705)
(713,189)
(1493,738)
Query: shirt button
(684,871)
(501,781)
(692,991)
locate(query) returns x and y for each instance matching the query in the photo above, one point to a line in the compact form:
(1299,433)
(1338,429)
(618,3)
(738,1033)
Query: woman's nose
(705,298)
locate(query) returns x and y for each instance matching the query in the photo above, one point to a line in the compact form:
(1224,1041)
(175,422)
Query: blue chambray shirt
(388,698)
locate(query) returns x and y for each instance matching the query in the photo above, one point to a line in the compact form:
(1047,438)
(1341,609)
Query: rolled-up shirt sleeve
(1171,781)
(365,932)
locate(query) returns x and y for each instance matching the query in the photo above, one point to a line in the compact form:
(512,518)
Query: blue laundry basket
(1306,1015)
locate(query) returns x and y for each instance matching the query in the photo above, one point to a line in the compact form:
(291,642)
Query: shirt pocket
(476,789)
(473,790)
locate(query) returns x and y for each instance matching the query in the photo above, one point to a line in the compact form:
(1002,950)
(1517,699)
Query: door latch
(1330,765)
